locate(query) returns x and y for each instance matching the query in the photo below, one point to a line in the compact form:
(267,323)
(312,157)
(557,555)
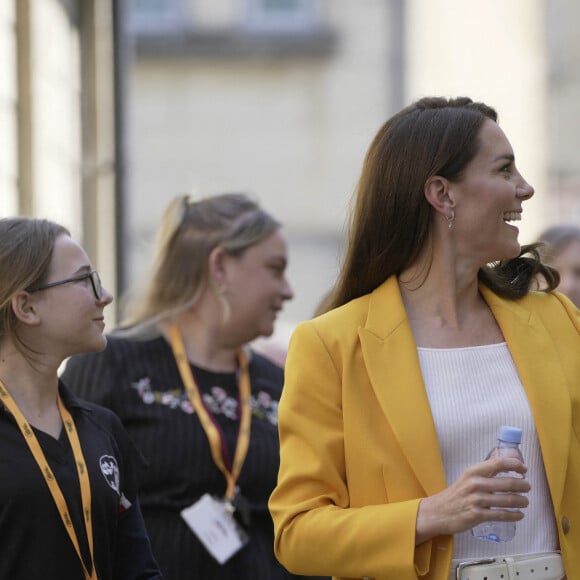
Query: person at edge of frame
(560,249)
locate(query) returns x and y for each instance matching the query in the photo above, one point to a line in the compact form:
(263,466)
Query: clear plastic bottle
(508,445)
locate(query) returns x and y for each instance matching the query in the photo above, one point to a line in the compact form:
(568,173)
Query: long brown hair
(392,220)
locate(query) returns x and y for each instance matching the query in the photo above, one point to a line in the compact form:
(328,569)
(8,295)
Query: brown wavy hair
(392,220)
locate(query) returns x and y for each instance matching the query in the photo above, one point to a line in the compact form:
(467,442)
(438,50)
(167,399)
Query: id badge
(211,520)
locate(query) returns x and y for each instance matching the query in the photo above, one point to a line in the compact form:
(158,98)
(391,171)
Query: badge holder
(211,520)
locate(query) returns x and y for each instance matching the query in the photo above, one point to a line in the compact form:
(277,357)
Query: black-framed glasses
(92,276)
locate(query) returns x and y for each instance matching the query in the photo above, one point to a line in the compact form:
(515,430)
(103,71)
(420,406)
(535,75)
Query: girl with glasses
(68,490)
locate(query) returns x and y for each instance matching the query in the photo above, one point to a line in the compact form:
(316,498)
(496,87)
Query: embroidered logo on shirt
(110,470)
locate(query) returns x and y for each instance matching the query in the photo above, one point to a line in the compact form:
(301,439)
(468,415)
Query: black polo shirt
(34,543)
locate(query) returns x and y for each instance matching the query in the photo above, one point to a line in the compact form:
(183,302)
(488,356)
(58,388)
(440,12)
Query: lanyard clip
(240,508)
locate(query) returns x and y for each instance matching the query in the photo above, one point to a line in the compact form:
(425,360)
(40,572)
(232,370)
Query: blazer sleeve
(573,313)
(316,529)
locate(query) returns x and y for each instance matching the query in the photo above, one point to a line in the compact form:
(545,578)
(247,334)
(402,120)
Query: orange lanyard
(49,477)
(208,425)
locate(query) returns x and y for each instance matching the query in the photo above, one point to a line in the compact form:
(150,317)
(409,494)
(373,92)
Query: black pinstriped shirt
(140,382)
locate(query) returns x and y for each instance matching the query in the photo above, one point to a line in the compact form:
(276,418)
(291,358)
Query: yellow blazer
(359,447)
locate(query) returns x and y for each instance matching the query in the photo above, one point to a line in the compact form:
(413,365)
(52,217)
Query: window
(288,15)
(153,15)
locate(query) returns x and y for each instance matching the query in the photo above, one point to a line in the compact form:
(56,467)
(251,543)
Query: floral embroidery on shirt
(264,406)
(174,399)
(216,400)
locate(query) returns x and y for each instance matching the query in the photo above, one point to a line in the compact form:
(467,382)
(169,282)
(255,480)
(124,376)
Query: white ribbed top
(473,391)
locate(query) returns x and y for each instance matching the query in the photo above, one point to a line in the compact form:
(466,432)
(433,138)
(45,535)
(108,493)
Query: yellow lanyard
(208,425)
(49,477)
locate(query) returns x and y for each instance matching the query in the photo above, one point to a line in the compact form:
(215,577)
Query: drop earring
(450,219)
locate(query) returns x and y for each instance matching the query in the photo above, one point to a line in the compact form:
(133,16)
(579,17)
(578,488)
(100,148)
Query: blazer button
(565,525)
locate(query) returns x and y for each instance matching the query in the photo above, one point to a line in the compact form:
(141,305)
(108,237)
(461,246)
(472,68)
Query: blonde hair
(188,232)
(26,249)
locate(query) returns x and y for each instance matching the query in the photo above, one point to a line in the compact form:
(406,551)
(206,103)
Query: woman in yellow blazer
(431,340)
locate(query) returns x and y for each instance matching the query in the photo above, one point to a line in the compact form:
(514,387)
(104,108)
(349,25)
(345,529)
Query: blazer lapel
(537,362)
(392,363)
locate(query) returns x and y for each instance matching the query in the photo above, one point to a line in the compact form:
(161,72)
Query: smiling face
(256,287)
(488,199)
(71,317)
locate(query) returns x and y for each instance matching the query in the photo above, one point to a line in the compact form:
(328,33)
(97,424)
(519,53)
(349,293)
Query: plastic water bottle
(508,445)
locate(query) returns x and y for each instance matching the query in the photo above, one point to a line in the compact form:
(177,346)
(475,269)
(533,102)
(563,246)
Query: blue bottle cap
(510,434)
